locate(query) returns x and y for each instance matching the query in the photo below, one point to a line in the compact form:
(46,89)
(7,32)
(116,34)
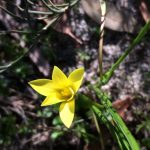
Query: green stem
(99,131)
(138,39)
(89,102)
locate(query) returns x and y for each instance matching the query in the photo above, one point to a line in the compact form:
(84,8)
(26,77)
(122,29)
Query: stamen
(67,93)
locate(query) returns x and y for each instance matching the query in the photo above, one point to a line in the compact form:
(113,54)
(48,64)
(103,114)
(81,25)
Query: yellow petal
(76,77)
(52,99)
(42,86)
(66,112)
(59,78)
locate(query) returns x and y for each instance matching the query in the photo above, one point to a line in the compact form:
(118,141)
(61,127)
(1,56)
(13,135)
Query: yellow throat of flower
(67,93)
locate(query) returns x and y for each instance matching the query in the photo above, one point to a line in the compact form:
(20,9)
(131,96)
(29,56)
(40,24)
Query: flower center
(67,93)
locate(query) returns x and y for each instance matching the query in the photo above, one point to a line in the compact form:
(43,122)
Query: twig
(103,12)
(54,9)
(14,31)
(12,14)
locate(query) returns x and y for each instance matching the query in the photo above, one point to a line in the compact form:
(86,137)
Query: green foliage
(83,56)
(45,113)
(56,134)
(117,128)
(3,85)
(81,131)
(145,125)
(56,121)
(7,129)
(11,53)
(146,142)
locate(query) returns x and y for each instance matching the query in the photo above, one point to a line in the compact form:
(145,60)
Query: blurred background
(31,43)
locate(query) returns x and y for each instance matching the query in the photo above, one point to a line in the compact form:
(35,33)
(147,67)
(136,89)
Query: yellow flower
(60,89)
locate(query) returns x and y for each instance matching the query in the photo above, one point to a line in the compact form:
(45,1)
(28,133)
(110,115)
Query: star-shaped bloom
(60,89)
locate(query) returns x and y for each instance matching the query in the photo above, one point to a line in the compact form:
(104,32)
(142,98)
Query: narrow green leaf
(138,39)
(122,131)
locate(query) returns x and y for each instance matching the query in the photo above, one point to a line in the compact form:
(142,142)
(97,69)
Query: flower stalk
(102,23)
(109,73)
